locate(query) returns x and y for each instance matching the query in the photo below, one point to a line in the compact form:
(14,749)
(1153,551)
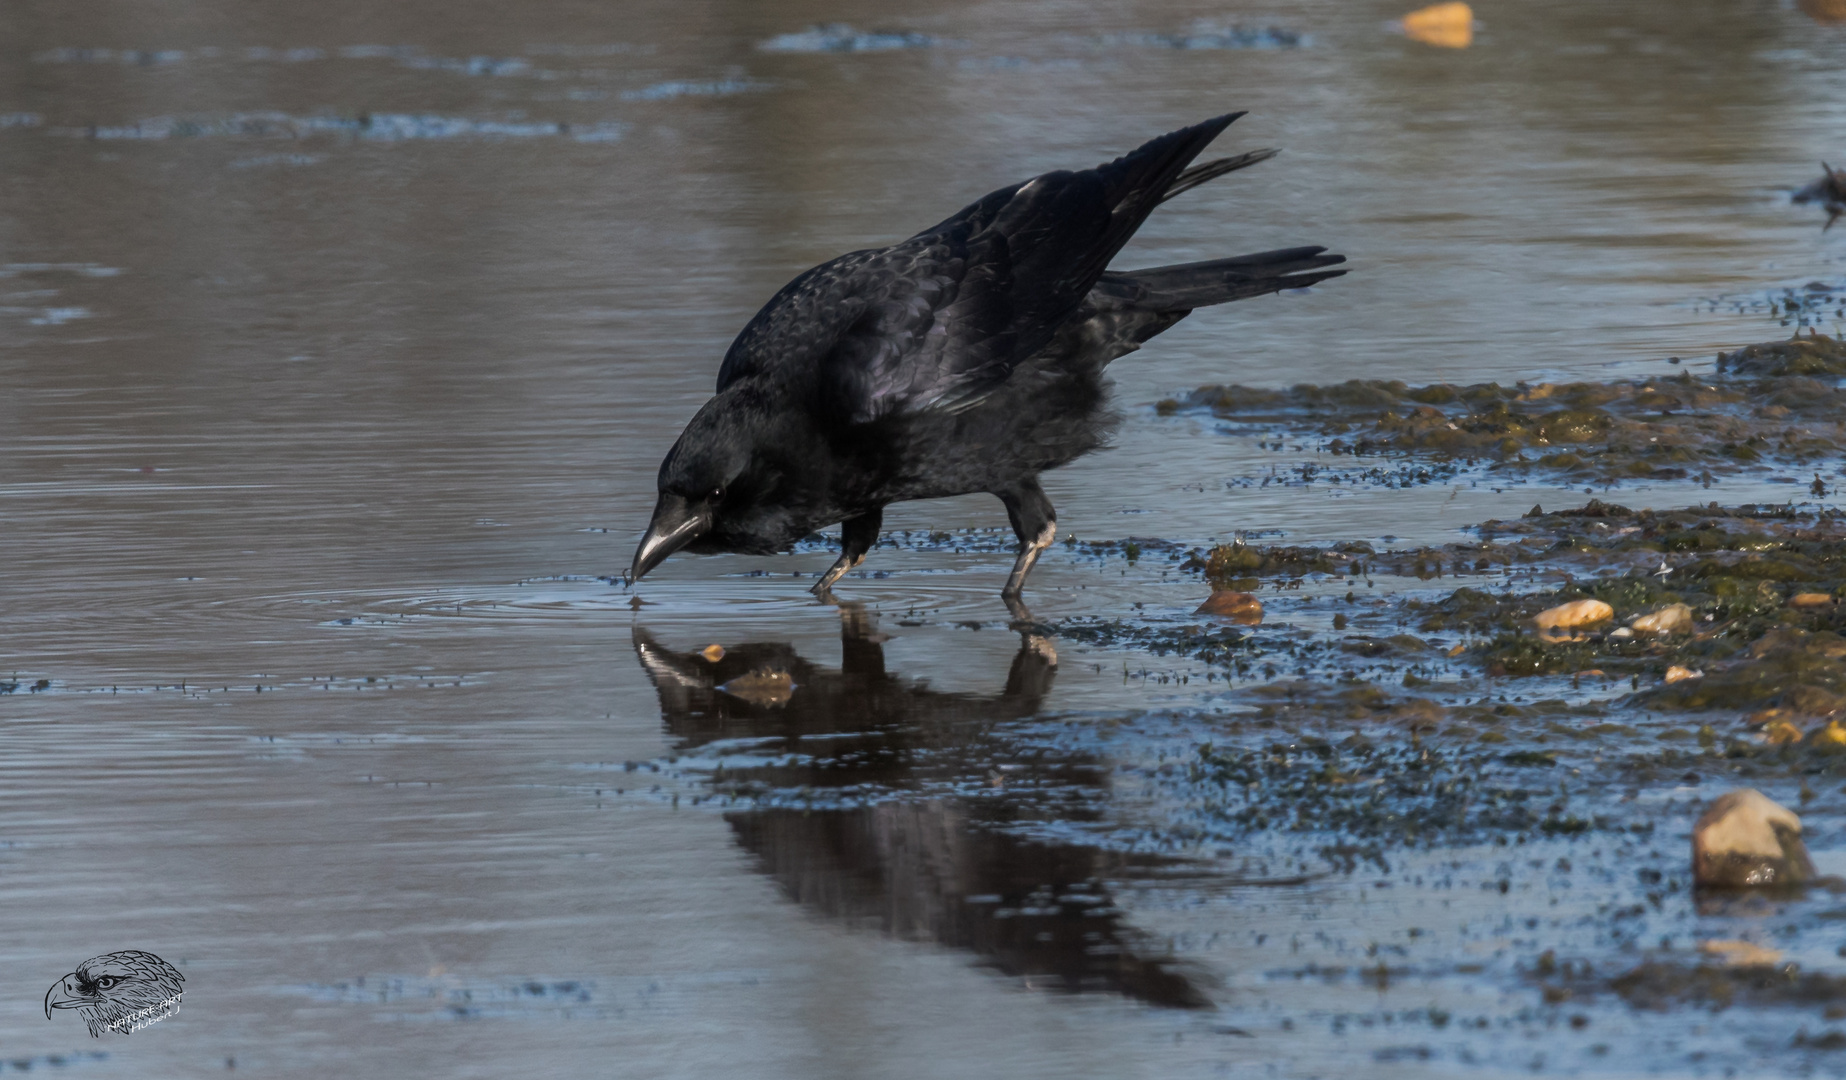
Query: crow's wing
(937,321)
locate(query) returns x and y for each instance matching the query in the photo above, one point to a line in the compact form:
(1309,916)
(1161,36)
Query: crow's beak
(65,995)
(677,522)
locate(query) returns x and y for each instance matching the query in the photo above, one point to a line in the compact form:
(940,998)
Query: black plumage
(967,358)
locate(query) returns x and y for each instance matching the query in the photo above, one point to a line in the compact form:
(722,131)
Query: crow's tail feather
(1186,286)
(1138,181)
(1211,170)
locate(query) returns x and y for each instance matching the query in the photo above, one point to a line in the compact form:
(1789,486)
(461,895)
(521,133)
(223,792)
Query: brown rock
(1813,701)
(1665,621)
(1747,840)
(1811,600)
(1575,613)
(712,653)
(1239,607)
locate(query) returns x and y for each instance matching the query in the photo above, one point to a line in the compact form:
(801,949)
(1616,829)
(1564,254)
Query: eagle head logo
(121,992)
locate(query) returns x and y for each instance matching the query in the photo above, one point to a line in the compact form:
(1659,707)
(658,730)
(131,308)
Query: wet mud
(1518,836)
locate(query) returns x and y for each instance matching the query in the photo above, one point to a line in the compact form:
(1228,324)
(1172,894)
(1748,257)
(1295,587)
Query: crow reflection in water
(968,358)
(922,867)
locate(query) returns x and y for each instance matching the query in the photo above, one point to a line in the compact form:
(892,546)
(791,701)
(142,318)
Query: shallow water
(340,344)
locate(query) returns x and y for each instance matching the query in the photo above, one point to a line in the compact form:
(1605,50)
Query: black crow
(967,358)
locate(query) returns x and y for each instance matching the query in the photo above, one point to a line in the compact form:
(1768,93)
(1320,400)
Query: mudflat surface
(339,347)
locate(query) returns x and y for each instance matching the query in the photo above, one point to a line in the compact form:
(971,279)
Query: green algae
(1227,565)
(1440,713)
(1813,355)
(1774,403)
(1738,571)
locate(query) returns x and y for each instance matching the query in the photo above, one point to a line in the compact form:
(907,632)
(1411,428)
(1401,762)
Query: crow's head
(114,991)
(713,485)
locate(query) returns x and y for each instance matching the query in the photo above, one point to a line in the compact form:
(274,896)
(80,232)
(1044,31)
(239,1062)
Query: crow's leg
(1033,668)
(862,653)
(857,535)
(1036,522)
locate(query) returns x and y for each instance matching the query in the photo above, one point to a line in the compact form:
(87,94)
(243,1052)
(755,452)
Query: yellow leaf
(1447,26)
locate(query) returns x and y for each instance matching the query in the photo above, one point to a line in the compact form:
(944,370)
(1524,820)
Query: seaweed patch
(1776,404)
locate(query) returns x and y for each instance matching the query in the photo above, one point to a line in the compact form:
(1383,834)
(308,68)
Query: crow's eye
(107,981)
(715,494)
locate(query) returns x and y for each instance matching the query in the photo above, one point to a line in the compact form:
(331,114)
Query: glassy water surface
(340,344)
